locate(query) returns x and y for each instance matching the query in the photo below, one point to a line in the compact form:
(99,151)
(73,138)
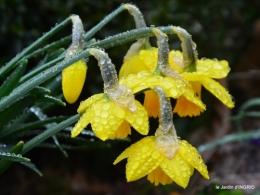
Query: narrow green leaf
(13,157)
(48,133)
(56,141)
(16,130)
(4,164)
(40,90)
(229,139)
(250,103)
(11,64)
(32,167)
(55,54)
(15,110)
(39,69)
(11,82)
(47,98)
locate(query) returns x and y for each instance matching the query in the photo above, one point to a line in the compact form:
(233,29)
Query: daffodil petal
(213,68)
(73,78)
(84,105)
(132,66)
(191,156)
(106,117)
(81,124)
(219,91)
(177,169)
(190,95)
(130,150)
(139,119)
(146,159)
(135,82)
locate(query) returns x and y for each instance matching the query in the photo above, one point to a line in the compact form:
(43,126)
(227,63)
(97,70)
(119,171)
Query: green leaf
(11,64)
(13,157)
(39,90)
(16,130)
(32,167)
(229,139)
(47,98)
(4,164)
(11,82)
(56,141)
(16,109)
(48,133)
(250,103)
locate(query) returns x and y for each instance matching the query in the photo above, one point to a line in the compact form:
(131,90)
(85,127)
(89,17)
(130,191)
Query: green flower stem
(48,133)
(229,139)
(11,64)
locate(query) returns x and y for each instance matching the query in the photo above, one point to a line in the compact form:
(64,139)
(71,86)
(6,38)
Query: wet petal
(190,95)
(213,68)
(123,131)
(136,82)
(145,159)
(84,105)
(191,156)
(177,169)
(139,119)
(219,91)
(73,79)
(81,124)
(132,149)
(106,117)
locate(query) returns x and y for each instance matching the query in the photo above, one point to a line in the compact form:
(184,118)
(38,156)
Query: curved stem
(107,69)
(78,32)
(189,51)
(138,16)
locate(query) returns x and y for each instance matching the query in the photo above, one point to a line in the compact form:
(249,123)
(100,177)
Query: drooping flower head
(73,77)
(163,157)
(196,72)
(173,84)
(206,71)
(111,112)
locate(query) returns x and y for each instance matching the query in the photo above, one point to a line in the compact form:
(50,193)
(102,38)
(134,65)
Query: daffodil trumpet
(111,112)
(73,77)
(164,158)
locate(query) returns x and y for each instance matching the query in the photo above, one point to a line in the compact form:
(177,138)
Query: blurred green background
(224,29)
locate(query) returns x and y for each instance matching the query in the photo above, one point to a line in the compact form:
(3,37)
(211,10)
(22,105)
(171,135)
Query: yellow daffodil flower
(173,88)
(144,158)
(206,71)
(110,120)
(111,112)
(163,157)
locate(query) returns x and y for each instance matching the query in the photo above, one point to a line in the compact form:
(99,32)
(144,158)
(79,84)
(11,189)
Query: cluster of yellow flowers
(160,74)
